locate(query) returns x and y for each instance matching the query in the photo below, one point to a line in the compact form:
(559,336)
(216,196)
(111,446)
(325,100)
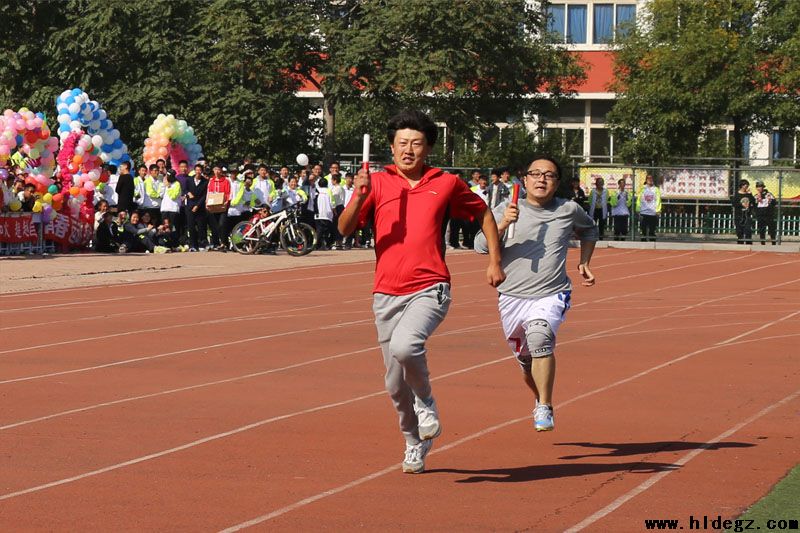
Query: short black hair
(545,157)
(29,186)
(153,167)
(143,166)
(742,183)
(322,182)
(262,165)
(112,169)
(126,164)
(414,120)
(162,160)
(183,162)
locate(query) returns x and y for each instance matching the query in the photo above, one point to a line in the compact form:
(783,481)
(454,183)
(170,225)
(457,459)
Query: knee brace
(541,340)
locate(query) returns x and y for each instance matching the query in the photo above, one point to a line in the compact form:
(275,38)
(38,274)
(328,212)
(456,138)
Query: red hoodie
(220,185)
(410,224)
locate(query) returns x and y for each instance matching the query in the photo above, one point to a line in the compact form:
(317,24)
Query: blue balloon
(107,148)
(40,115)
(69,100)
(19,140)
(76,91)
(116,144)
(73,116)
(95,115)
(63,128)
(104,124)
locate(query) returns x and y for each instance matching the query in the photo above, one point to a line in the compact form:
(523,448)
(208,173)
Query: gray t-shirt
(535,260)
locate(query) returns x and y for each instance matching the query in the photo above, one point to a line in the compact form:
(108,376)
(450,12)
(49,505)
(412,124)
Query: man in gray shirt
(535,295)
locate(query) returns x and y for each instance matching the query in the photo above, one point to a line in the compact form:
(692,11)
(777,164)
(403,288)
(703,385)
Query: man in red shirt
(410,204)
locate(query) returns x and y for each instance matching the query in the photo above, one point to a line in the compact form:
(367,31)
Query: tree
(469,63)
(689,66)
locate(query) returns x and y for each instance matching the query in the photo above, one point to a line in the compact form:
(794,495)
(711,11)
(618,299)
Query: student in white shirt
(324,216)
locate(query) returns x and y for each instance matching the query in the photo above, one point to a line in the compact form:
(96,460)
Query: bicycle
(284,227)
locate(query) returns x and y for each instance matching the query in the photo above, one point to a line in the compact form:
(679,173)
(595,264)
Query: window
(603,23)
(783,145)
(576,24)
(555,21)
(567,23)
(600,142)
(601,108)
(626,18)
(569,141)
(568,111)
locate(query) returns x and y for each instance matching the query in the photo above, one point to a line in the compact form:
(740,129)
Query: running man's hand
(510,216)
(588,277)
(495,275)
(361,183)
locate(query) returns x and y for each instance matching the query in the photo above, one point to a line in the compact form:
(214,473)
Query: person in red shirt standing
(218,219)
(410,204)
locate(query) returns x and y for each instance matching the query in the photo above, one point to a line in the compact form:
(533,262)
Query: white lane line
(306,501)
(240,318)
(691,306)
(185,291)
(15,295)
(329,358)
(221,287)
(330,406)
(619,502)
(219,381)
(187,350)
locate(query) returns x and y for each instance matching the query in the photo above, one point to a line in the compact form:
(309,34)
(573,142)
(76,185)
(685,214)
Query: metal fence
(697,199)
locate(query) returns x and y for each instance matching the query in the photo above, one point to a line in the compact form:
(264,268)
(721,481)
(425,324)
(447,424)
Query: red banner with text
(18,228)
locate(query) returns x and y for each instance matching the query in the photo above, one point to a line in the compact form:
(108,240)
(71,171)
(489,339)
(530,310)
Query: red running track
(256,401)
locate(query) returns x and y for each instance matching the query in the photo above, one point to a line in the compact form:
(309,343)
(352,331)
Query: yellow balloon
(37,207)
(47,198)
(15,205)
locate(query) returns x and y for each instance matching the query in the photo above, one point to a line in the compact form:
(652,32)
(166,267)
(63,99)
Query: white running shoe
(428,419)
(414,460)
(543,418)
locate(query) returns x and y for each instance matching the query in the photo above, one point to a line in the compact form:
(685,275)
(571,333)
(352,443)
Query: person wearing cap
(743,206)
(765,213)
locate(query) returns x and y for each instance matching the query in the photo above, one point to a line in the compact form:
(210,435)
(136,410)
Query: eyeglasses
(536,174)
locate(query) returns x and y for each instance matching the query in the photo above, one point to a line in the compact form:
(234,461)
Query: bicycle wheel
(296,239)
(244,238)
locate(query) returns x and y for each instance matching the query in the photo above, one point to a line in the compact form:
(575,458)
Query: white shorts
(516,313)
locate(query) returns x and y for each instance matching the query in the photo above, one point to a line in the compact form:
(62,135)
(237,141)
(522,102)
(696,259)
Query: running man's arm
(348,220)
(494,273)
(587,232)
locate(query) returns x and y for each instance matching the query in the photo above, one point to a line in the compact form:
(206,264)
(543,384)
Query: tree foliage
(230,68)
(690,66)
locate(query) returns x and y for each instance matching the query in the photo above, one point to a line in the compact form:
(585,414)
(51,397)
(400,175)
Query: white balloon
(75,125)
(94,174)
(302,159)
(116,154)
(79,150)
(63,135)
(114,134)
(65,95)
(74,107)
(97,141)
(63,119)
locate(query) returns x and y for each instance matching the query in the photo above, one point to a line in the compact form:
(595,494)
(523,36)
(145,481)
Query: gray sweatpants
(404,323)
